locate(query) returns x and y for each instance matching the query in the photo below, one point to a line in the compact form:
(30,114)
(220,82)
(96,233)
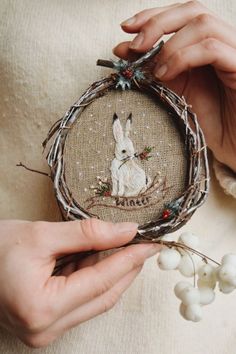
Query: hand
(38,307)
(198,61)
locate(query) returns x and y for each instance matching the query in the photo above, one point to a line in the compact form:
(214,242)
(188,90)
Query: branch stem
(20,164)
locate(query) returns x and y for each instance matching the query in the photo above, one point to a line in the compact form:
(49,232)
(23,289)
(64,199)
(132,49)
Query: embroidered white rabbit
(128,179)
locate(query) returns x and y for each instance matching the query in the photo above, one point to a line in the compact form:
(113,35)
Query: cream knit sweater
(48,51)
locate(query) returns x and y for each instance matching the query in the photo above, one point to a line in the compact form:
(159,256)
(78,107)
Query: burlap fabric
(90,147)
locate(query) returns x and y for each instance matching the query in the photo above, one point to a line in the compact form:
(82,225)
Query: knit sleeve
(226,178)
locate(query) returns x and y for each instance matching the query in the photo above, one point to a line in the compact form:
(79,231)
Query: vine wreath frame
(198,170)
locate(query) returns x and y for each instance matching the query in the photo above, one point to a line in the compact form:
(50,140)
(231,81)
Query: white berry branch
(183,256)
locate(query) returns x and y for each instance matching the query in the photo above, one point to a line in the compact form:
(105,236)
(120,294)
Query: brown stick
(63,261)
(106,63)
(20,164)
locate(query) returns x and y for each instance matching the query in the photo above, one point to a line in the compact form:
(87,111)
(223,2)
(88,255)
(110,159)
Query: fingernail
(138,40)
(125,227)
(128,22)
(161,71)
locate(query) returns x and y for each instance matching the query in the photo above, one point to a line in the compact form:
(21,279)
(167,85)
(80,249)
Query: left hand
(38,307)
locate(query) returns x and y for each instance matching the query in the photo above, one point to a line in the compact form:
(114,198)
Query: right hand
(38,307)
(198,61)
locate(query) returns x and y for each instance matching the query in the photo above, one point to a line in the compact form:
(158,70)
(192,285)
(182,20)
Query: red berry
(107,194)
(143,155)
(166,214)
(128,73)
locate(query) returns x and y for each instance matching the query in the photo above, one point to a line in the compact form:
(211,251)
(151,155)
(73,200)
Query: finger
(165,23)
(201,27)
(85,312)
(209,51)
(133,24)
(100,304)
(90,234)
(79,264)
(86,284)
(68,269)
(88,261)
(123,51)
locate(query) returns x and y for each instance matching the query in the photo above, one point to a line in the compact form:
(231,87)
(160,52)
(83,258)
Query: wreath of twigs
(182,208)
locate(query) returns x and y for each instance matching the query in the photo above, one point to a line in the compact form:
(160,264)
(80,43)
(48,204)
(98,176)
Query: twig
(20,164)
(63,261)
(106,63)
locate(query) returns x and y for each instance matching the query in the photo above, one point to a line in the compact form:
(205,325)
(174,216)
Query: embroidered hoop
(178,211)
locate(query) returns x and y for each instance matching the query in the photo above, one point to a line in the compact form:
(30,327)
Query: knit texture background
(48,52)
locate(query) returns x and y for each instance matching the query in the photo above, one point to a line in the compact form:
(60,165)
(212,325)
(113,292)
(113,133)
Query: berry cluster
(127,73)
(183,256)
(145,154)
(104,187)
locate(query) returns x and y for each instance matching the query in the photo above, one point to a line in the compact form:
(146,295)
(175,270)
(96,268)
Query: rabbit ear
(117,129)
(128,125)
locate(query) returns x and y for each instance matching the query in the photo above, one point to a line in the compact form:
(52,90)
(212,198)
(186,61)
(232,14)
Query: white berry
(227,272)
(207,296)
(168,237)
(181,285)
(206,272)
(229,259)
(225,287)
(182,309)
(232,282)
(188,265)
(193,312)
(201,283)
(190,296)
(189,239)
(168,259)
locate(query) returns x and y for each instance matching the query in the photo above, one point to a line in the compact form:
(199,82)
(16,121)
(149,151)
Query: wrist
(226,177)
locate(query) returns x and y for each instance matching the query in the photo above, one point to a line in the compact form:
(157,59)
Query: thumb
(88,234)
